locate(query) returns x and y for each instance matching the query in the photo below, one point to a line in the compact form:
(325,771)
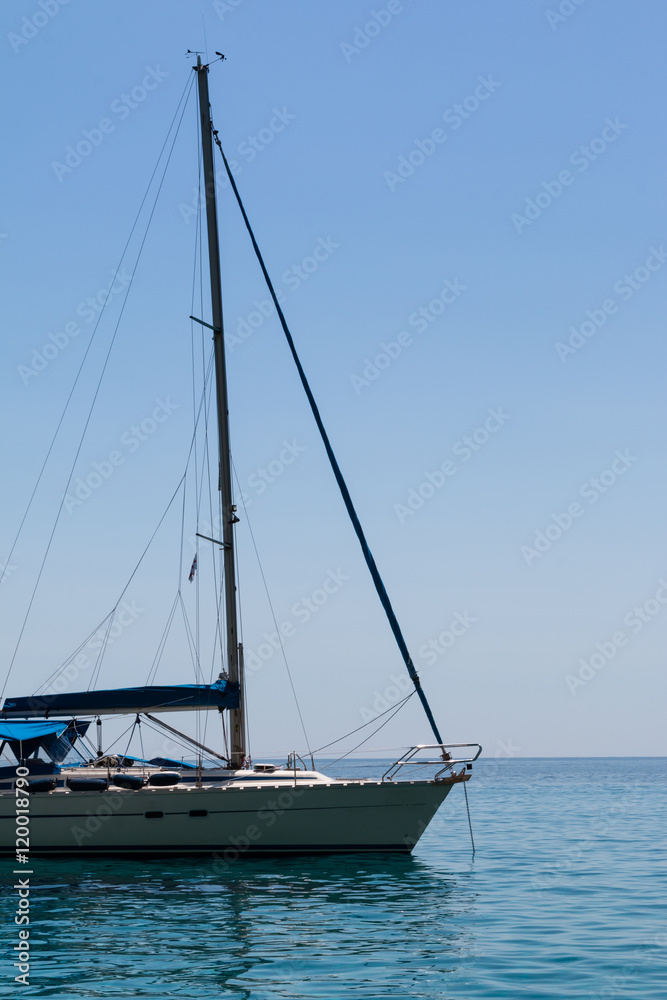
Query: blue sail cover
(125,701)
(56,738)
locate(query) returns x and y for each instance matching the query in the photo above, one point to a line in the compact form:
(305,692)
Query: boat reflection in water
(265,929)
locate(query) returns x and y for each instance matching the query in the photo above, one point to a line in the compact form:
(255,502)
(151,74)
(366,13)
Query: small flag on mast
(193,569)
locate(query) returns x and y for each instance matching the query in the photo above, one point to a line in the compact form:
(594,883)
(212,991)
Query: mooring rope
(472,839)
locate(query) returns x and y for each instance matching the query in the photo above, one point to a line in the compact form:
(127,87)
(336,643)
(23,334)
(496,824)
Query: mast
(237,729)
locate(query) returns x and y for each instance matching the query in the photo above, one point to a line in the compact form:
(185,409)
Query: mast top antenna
(200,65)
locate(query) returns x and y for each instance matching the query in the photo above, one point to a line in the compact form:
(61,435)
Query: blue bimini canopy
(56,738)
(125,701)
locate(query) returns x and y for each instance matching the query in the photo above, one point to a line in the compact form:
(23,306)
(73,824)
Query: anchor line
(472,839)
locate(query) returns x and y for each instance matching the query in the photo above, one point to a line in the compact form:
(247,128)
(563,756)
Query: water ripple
(564,899)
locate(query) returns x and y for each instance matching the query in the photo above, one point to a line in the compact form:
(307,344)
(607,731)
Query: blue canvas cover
(125,701)
(55,738)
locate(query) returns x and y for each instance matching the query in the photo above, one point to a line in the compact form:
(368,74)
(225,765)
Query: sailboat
(114,804)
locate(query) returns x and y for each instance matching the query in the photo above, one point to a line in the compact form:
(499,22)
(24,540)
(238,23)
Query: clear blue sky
(509,150)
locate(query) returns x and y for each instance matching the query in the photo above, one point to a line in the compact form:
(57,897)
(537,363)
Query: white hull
(231,821)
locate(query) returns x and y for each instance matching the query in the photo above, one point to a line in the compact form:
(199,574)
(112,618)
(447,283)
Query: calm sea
(565,897)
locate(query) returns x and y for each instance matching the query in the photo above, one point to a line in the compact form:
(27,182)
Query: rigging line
(182,481)
(136,568)
(246,711)
(98,663)
(395,712)
(222,611)
(92,750)
(77,751)
(218,592)
(203,21)
(205,462)
(217,635)
(157,659)
(273,614)
(82,645)
(180,745)
(131,735)
(205,384)
(182,546)
(90,411)
(342,485)
(76,652)
(193,365)
(359,728)
(194,652)
(195,655)
(163,641)
(224,735)
(199,491)
(207,455)
(92,336)
(211,755)
(204,410)
(119,738)
(206,379)
(206,374)
(192,334)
